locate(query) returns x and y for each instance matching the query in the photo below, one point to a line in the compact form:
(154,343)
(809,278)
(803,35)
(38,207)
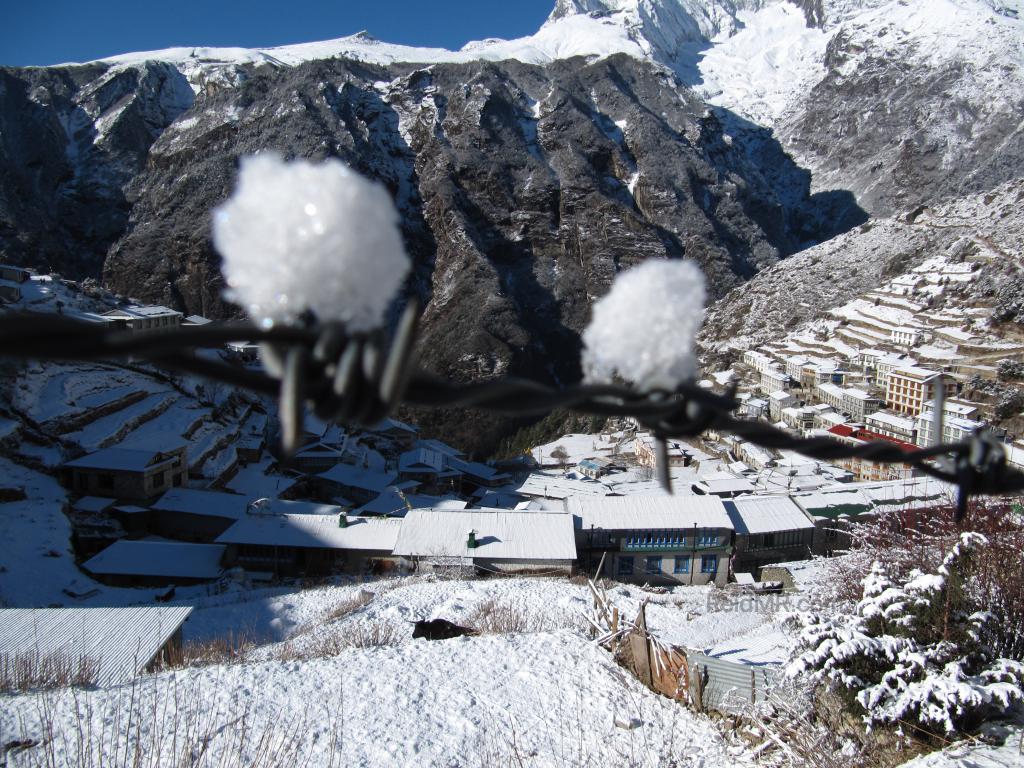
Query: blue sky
(39,33)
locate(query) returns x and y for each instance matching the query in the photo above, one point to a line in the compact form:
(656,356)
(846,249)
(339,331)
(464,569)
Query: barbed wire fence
(358,379)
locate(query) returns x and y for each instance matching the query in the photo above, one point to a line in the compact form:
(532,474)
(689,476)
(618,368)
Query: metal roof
(357,477)
(314,532)
(500,534)
(120,641)
(766,514)
(170,559)
(119,460)
(618,513)
(209,503)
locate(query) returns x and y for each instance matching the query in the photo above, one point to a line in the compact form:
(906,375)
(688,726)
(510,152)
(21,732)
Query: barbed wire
(359,379)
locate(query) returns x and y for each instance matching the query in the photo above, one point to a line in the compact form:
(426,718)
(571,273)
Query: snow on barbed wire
(644,329)
(300,236)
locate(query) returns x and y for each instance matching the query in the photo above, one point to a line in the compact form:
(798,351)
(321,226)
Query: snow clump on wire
(644,329)
(301,236)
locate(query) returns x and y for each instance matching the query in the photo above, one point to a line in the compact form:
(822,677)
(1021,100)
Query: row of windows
(772,540)
(681,564)
(669,539)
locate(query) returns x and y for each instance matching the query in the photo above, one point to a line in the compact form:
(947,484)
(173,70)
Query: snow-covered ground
(546,699)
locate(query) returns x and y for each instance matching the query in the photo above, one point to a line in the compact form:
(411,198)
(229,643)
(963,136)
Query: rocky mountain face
(734,132)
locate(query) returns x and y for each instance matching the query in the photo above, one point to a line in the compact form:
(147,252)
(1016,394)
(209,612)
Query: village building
(595,467)
(143,318)
(830,394)
(769,529)
(541,485)
(905,336)
(431,469)
(14,274)
(654,539)
(487,540)
(357,484)
(759,361)
(723,485)
(773,380)
(136,474)
(909,387)
(885,365)
(476,475)
(858,404)
(892,425)
(286,545)
(865,469)
(799,419)
(109,645)
(646,452)
(779,400)
(754,408)
(957,423)
(391,433)
(127,563)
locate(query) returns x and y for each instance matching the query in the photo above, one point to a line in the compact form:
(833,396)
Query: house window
(105,481)
(682,564)
(709,563)
(625,566)
(653,565)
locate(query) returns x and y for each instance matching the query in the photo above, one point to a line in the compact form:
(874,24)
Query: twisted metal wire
(358,379)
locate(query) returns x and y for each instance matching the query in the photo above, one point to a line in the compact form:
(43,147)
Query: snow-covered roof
(209,503)
(357,477)
(834,503)
(142,311)
(618,513)
(422,457)
(559,487)
(781,395)
(914,372)
(893,421)
(120,641)
(726,485)
(235,506)
(500,534)
(92,504)
(118,460)
(477,470)
(766,514)
(314,532)
(170,559)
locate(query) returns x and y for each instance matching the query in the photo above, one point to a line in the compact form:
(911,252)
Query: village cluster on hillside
(171,481)
(877,368)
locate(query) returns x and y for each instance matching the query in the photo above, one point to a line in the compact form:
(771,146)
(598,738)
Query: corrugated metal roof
(209,503)
(121,641)
(171,559)
(314,532)
(356,477)
(766,514)
(617,513)
(500,534)
(558,487)
(117,459)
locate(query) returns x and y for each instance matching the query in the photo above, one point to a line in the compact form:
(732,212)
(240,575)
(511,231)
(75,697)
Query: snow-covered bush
(918,653)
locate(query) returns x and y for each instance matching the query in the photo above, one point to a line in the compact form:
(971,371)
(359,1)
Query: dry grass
(348,605)
(340,638)
(169,723)
(230,649)
(33,671)
(497,617)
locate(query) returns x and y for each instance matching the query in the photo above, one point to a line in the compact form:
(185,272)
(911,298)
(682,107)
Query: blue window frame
(653,565)
(709,563)
(682,564)
(625,566)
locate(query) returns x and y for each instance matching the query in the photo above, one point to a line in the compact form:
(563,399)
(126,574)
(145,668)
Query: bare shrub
(497,617)
(32,671)
(348,605)
(229,649)
(342,637)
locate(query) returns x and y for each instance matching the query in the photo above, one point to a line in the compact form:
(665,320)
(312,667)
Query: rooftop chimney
(343,520)
(471,539)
